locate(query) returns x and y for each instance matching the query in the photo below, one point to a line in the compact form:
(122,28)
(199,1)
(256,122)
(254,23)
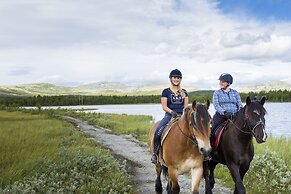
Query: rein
(247,126)
(246,132)
(192,138)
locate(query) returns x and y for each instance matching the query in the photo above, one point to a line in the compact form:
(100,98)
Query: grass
(269,172)
(42,154)
(135,125)
(25,138)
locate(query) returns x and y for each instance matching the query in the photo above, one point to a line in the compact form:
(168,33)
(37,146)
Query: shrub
(268,173)
(76,172)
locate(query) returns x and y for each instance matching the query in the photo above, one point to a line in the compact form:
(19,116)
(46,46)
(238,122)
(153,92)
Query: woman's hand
(174,114)
(227,114)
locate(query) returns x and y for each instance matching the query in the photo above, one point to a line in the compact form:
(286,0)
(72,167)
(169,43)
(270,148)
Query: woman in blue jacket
(227,102)
(174,99)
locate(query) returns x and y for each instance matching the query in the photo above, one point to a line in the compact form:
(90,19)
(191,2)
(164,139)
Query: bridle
(247,125)
(191,138)
(193,123)
(252,129)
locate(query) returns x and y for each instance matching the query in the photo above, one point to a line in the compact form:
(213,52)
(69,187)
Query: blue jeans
(217,120)
(159,131)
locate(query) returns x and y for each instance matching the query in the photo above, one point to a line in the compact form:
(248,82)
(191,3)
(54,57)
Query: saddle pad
(218,131)
(168,128)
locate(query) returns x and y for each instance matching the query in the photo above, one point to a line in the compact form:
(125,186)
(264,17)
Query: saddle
(216,134)
(168,127)
(166,131)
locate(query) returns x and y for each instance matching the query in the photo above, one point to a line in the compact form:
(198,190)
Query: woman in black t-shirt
(174,99)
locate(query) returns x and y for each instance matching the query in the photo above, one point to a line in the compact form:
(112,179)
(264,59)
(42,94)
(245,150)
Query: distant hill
(34,89)
(98,88)
(202,92)
(117,88)
(272,85)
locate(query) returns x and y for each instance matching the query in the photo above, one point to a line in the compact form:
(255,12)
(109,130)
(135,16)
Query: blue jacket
(227,101)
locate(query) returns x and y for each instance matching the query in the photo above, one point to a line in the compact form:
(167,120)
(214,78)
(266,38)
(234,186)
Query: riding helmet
(225,77)
(175,73)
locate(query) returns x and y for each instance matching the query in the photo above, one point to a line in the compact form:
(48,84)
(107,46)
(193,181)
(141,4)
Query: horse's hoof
(159,189)
(212,184)
(208,192)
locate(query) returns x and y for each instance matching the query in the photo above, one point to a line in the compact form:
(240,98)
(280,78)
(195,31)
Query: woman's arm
(216,104)
(164,105)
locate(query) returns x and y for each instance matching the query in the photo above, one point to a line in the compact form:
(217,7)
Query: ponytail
(180,91)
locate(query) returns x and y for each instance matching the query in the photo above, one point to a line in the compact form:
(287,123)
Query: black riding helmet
(175,73)
(226,77)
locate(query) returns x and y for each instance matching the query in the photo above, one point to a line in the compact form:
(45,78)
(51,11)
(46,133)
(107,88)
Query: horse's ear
(194,104)
(263,100)
(207,104)
(248,101)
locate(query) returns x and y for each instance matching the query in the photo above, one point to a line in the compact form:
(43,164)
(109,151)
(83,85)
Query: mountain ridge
(118,88)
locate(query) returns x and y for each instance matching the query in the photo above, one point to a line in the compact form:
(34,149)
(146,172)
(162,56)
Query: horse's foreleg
(158,184)
(206,177)
(234,171)
(243,170)
(211,166)
(196,178)
(173,186)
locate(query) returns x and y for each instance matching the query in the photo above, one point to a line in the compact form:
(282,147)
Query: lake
(278,119)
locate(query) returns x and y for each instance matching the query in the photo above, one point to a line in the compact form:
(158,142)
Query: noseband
(247,125)
(252,129)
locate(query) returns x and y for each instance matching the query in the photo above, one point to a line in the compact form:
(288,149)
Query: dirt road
(135,157)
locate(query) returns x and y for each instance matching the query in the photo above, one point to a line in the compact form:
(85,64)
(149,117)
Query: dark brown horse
(184,148)
(236,149)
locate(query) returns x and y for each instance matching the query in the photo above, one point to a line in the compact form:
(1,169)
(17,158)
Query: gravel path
(135,157)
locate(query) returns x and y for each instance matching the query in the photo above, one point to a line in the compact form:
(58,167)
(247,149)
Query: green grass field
(136,125)
(270,170)
(42,154)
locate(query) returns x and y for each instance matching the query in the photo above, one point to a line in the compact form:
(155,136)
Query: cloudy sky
(73,42)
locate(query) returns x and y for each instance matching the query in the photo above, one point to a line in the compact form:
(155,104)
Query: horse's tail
(165,171)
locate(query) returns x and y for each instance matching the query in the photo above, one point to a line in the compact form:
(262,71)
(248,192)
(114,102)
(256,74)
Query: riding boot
(154,158)
(157,137)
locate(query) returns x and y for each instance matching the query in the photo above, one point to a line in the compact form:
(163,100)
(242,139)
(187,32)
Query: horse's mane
(185,113)
(199,108)
(203,113)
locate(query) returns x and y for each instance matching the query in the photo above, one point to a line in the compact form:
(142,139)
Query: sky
(73,42)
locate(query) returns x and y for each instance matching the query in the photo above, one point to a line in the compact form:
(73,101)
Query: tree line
(71,100)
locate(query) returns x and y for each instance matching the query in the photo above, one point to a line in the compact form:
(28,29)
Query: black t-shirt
(174,102)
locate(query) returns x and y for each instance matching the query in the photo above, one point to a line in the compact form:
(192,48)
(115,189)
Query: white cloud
(137,41)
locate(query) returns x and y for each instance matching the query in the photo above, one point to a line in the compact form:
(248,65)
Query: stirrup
(154,158)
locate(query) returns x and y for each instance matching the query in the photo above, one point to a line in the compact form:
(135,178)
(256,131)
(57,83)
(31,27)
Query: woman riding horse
(184,148)
(226,101)
(174,99)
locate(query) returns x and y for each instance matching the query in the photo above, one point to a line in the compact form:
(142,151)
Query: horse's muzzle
(205,152)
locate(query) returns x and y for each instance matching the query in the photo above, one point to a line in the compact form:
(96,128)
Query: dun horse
(236,148)
(184,148)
